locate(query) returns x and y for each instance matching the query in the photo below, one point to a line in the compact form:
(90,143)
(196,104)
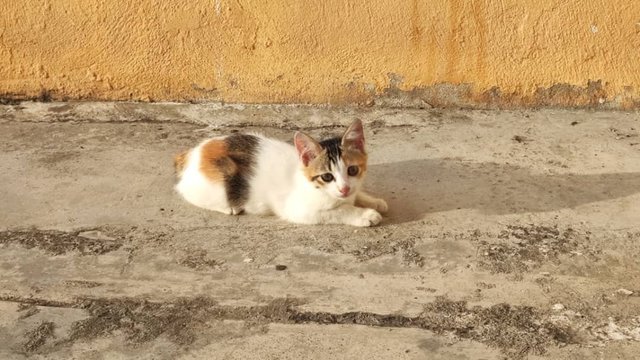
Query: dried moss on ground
(523,248)
(59,242)
(36,338)
(516,330)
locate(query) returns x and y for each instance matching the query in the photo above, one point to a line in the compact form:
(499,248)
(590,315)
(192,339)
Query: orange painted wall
(442,52)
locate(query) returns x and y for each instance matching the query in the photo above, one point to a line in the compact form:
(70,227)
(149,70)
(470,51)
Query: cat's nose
(345,190)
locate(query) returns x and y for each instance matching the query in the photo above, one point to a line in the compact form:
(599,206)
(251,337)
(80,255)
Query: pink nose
(345,190)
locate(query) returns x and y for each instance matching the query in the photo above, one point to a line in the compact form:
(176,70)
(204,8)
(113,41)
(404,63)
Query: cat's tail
(179,161)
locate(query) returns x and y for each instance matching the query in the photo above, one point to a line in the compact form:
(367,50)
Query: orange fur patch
(357,158)
(179,161)
(214,162)
(317,166)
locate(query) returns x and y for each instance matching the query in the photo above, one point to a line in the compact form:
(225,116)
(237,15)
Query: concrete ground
(511,234)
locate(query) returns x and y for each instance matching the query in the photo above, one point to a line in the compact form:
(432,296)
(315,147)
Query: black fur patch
(333,148)
(242,151)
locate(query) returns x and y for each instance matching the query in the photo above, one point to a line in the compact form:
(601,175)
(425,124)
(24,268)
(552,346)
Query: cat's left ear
(308,149)
(354,136)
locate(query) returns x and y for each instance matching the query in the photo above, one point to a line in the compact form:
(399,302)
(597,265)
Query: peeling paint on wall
(442,53)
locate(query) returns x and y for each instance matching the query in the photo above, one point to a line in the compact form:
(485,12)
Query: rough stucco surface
(456,52)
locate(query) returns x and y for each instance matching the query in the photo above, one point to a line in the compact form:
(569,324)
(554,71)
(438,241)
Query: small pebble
(281,267)
(625,292)
(557,307)
(248,260)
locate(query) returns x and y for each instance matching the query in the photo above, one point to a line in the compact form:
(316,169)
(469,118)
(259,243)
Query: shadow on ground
(417,187)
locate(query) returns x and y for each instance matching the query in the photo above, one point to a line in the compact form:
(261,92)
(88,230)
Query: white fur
(279,187)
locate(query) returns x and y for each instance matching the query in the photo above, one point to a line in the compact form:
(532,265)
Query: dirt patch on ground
(82,283)
(179,321)
(199,260)
(61,108)
(58,242)
(57,157)
(378,248)
(523,248)
(27,310)
(37,337)
(514,250)
(279,310)
(484,285)
(516,330)
(142,321)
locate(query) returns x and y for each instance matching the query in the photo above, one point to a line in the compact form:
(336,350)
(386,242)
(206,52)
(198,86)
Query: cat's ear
(307,148)
(354,136)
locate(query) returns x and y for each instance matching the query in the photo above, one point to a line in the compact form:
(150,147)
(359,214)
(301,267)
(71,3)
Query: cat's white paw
(236,211)
(369,217)
(381,206)
(230,210)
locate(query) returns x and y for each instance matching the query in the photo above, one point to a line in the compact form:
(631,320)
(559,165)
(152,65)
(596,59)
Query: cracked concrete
(510,234)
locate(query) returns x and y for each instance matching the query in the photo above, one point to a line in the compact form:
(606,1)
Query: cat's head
(336,166)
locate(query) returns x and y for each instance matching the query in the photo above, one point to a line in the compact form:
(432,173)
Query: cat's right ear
(307,148)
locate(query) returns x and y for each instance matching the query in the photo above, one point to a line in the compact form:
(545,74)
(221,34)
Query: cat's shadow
(416,188)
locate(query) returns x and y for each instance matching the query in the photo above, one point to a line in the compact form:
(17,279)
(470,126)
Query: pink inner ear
(306,148)
(354,137)
(306,157)
(358,144)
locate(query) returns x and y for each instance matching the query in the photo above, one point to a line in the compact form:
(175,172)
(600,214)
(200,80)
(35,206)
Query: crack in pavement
(516,330)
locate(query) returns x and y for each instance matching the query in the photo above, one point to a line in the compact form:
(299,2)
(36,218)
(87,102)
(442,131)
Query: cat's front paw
(369,217)
(381,206)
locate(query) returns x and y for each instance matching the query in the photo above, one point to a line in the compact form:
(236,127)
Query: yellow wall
(444,52)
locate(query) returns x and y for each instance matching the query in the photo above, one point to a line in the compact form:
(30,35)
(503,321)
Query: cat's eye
(327,177)
(352,170)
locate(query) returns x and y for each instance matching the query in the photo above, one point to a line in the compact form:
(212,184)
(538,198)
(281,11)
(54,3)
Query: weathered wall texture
(441,52)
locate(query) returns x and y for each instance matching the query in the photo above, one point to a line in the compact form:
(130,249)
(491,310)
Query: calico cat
(311,183)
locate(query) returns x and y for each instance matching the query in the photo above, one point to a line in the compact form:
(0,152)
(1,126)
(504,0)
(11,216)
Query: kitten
(311,183)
